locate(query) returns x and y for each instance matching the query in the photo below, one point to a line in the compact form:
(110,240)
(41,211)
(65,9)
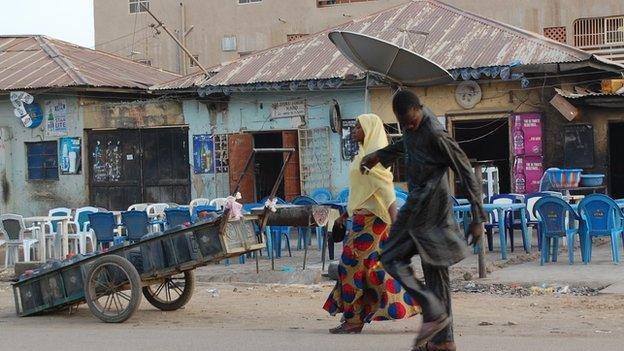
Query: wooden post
(481,264)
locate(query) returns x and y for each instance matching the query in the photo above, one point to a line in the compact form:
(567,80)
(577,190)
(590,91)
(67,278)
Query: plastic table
(502,210)
(61,238)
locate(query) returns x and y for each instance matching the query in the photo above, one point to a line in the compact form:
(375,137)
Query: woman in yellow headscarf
(364,291)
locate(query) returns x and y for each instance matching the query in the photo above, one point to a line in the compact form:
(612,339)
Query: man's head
(407,109)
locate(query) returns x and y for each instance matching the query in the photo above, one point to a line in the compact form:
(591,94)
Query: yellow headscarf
(376,188)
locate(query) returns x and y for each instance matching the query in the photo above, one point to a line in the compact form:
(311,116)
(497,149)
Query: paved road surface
(106,338)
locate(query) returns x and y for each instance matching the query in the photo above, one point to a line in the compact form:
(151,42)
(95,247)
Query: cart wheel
(172,293)
(112,289)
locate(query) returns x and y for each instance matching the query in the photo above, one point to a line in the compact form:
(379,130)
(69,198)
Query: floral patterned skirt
(365,292)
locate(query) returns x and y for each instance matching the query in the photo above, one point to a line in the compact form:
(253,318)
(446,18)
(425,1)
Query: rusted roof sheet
(582,93)
(192,80)
(36,61)
(449,36)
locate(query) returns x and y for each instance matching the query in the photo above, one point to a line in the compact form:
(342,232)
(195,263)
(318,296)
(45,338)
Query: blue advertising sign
(203,154)
(70,155)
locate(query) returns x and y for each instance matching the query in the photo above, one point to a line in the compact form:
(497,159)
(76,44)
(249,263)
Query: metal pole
(161,24)
(366,94)
(481,264)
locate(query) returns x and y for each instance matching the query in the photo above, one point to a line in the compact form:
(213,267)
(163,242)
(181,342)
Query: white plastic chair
(219,203)
(201,201)
(80,226)
(138,207)
(51,230)
(156,210)
(13,229)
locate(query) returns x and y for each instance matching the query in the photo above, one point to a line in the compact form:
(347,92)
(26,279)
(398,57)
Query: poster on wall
(349,147)
(203,154)
(528,171)
(56,117)
(527,134)
(70,155)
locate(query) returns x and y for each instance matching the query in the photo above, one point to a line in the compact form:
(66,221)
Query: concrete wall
(261,25)
(27,197)
(250,112)
(600,119)
(497,97)
(257,26)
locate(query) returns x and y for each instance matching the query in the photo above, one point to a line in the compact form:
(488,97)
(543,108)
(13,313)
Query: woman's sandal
(346,328)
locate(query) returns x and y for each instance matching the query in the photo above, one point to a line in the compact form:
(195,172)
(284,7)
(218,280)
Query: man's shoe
(429,329)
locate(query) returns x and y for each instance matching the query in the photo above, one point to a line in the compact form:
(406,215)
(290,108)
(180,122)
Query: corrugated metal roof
(580,93)
(36,61)
(448,36)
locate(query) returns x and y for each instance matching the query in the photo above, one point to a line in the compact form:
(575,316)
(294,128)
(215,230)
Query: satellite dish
(389,60)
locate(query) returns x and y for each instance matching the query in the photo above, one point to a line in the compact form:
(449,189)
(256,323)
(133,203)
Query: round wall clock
(468,94)
(334,116)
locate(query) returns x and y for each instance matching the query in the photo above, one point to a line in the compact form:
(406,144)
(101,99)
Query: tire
(172,293)
(108,279)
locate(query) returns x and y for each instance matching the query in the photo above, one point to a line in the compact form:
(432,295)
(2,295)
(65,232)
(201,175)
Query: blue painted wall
(250,112)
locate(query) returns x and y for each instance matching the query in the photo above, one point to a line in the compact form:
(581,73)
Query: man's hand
(368,162)
(342,220)
(475,231)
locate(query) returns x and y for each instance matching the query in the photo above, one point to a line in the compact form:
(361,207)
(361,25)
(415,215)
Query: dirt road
(260,317)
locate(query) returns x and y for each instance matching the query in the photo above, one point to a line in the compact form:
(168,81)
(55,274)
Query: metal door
(114,168)
(240,147)
(292,181)
(165,165)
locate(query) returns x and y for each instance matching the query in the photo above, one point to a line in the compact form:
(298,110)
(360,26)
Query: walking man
(425,225)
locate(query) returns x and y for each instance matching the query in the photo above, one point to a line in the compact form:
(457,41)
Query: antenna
(162,24)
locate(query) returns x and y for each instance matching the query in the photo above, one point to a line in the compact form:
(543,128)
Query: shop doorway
(268,166)
(259,181)
(616,160)
(486,140)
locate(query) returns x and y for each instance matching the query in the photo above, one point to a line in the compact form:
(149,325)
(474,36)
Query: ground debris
(517,290)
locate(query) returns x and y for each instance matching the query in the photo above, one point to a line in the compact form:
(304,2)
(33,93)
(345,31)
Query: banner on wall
(56,117)
(203,154)
(527,149)
(527,134)
(70,155)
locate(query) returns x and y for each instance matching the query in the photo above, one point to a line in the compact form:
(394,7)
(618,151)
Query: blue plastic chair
(103,225)
(552,213)
(343,195)
(136,224)
(303,231)
(199,211)
(277,232)
(459,216)
(601,217)
(321,195)
(501,198)
(532,221)
(177,217)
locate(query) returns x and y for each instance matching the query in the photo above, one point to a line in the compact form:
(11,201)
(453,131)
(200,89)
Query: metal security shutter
(315,159)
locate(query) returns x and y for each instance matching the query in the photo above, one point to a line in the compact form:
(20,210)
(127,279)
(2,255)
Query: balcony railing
(602,36)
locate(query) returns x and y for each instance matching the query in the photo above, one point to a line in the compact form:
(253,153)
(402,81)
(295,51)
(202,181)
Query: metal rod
(325,243)
(273,150)
(481,264)
(161,24)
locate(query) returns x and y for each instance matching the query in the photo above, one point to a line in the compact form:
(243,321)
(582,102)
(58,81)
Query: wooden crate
(236,238)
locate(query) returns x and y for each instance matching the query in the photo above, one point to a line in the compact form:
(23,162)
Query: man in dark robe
(425,225)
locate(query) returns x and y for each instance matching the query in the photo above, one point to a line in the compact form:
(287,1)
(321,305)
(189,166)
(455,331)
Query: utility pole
(161,24)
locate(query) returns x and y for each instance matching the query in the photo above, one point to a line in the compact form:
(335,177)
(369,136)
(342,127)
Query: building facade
(220,31)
